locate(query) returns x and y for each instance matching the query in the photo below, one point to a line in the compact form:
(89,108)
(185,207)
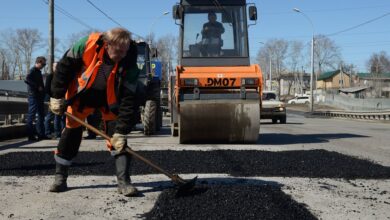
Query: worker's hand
(57,106)
(119,142)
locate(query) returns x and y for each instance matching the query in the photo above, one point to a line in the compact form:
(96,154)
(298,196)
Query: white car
(300,100)
(272,108)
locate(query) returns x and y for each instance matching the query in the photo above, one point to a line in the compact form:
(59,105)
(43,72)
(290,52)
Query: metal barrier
(368,115)
(13,111)
(12,119)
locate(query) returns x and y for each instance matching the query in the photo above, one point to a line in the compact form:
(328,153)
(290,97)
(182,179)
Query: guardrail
(12,119)
(13,112)
(368,115)
(10,93)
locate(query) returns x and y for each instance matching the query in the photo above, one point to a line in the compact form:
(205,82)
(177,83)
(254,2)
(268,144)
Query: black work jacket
(34,80)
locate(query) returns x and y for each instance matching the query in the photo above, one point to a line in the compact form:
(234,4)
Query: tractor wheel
(149,118)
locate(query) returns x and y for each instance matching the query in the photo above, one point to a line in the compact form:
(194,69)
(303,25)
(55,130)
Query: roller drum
(219,121)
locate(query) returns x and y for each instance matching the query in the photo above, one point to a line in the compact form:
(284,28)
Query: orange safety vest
(93,59)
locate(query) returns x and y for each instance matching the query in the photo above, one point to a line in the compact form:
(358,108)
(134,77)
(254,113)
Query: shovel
(181,184)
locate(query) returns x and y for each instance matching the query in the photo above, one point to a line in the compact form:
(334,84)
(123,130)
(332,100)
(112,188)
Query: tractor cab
(144,60)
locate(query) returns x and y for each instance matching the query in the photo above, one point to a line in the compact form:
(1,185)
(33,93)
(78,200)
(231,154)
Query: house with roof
(360,85)
(332,80)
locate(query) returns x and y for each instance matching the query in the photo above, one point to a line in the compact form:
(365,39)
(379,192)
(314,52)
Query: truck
(215,94)
(150,114)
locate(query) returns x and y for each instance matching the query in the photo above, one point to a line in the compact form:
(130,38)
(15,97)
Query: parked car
(272,108)
(300,100)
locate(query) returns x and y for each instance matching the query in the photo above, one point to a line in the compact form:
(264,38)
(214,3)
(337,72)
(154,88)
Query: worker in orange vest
(98,72)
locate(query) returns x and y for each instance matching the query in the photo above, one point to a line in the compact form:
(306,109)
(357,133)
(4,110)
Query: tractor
(150,114)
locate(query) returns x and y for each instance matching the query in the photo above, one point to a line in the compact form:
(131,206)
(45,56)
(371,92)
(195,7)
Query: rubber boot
(122,163)
(61,175)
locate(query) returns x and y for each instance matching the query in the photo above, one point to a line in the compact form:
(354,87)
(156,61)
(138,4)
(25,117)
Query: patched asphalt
(208,200)
(301,163)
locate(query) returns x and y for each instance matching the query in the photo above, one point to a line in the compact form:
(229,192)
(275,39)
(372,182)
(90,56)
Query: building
(379,84)
(334,80)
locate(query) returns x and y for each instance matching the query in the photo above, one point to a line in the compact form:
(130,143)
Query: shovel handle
(175,178)
(90,127)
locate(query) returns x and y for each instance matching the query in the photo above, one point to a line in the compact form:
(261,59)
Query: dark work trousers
(58,123)
(94,120)
(35,107)
(70,140)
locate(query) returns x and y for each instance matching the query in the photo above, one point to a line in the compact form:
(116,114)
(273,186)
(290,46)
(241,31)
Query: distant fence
(355,104)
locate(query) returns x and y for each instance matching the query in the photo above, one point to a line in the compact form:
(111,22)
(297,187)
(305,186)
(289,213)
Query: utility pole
(51,35)
(270,73)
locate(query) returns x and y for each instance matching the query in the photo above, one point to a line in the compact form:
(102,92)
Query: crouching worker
(98,72)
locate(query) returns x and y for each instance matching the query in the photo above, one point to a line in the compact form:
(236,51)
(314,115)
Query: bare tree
(167,52)
(27,41)
(275,52)
(8,41)
(295,60)
(326,53)
(151,39)
(295,55)
(4,65)
(378,64)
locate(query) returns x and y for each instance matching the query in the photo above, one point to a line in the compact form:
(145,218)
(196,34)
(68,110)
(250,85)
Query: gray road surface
(94,197)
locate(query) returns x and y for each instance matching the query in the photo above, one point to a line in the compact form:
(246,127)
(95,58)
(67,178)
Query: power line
(67,14)
(359,25)
(97,8)
(104,13)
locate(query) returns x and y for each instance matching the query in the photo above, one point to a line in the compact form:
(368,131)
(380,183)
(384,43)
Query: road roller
(215,93)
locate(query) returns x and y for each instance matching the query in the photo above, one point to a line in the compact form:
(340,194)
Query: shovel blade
(186,186)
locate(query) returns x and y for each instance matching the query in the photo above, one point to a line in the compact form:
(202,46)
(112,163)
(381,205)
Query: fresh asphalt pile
(228,202)
(236,200)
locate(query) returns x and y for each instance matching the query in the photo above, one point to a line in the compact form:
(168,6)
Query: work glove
(57,106)
(119,142)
